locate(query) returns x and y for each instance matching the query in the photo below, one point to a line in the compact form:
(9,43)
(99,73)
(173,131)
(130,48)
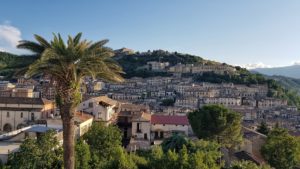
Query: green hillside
(287,82)
(133,64)
(10,63)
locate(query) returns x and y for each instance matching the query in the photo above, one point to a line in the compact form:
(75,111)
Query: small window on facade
(7,114)
(21,115)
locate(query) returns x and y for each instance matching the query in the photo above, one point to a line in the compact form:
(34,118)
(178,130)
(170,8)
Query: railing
(15,132)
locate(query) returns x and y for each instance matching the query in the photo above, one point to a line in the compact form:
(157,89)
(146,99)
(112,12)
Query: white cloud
(296,63)
(256,65)
(9,38)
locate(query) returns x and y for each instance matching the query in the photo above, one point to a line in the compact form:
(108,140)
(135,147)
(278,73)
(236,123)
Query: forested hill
(10,63)
(287,82)
(133,62)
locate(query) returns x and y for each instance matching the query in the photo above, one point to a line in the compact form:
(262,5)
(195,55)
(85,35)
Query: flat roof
(8,147)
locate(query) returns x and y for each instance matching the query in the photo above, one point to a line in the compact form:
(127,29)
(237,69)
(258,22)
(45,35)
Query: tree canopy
(263,128)
(247,165)
(281,150)
(43,152)
(67,63)
(216,122)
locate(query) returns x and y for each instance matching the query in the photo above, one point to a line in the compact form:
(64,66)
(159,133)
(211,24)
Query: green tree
(200,154)
(156,157)
(122,160)
(140,161)
(175,142)
(210,150)
(67,64)
(104,142)
(103,139)
(167,102)
(263,128)
(43,152)
(281,149)
(196,161)
(183,160)
(215,122)
(83,155)
(247,165)
(170,160)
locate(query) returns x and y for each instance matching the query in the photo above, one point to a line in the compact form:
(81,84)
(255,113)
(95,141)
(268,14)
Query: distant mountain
(287,82)
(288,71)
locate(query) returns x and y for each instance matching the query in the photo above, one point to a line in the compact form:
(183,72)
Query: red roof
(176,120)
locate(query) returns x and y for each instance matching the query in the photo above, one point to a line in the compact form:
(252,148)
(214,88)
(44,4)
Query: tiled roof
(106,100)
(143,117)
(176,120)
(81,117)
(243,155)
(21,100)
(20,109)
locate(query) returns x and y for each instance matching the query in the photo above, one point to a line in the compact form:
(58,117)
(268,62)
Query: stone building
(16,112)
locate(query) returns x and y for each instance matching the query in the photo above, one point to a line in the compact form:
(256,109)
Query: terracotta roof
(243,155)
(143,117)
(103,99)
(21,100)
(176,120)
(81,117)
(46,101)
(106,100)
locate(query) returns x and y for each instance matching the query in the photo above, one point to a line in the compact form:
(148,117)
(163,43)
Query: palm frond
(31,46)
(70,62)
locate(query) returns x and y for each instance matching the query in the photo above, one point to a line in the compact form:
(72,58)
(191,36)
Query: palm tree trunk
(68,136)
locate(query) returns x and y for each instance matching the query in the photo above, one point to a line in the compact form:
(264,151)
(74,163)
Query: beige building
(16,112)
(188,102)
(150,129)
(164,126)
(157,66)
(141,130)
(190,68)
(226,101)
(102,108)
(271,102)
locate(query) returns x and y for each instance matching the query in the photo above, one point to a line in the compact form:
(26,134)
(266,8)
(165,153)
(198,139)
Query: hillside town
(147,110)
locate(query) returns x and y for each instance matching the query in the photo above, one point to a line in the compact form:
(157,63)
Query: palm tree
(67,64)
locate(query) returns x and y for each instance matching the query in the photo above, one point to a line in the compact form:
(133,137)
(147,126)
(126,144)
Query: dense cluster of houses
(147,110)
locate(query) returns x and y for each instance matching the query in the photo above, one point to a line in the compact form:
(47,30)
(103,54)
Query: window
(21,115)
(138,129)
(7,114)
(156,134)
(90,104)
(161,134)
(32,116)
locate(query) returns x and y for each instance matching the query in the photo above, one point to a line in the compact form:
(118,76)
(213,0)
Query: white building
(102,108)
(157,66)
(164,126)
(150,129)
(226,101)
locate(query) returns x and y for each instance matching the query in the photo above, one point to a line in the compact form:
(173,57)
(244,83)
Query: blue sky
(232,31)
